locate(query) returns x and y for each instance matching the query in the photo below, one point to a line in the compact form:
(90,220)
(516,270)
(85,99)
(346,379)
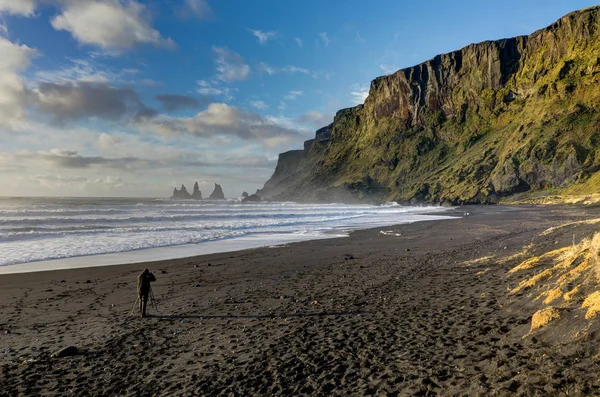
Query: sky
(130,98)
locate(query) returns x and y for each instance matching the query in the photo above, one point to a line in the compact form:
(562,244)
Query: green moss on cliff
(488,121)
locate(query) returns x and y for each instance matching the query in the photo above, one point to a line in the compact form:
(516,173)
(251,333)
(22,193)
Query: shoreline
(416,311)
(184,251)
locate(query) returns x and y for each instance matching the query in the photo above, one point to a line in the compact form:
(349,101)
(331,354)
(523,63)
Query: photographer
(144,281)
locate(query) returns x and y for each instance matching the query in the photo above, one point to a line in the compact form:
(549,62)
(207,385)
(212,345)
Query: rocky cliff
(295,165)
(487,121)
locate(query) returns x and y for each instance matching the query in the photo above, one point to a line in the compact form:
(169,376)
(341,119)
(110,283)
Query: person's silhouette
(144,281)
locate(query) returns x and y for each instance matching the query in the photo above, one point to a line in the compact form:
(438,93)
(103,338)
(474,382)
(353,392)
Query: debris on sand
(66,352)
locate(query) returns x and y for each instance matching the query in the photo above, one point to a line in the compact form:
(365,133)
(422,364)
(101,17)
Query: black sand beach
(419,309)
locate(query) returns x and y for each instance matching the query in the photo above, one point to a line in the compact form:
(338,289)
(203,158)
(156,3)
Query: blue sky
(132,98)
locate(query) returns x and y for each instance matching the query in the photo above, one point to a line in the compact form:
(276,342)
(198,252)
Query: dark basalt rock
(66,352)
(245,194)
(181,194)
(217,193)
(197,194)
(252,198)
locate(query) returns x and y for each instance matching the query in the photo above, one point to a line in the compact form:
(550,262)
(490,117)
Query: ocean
(47,229)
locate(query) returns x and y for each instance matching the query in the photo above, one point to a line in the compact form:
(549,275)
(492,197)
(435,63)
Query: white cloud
(108,141)
(263,67)
(154,162)
(259,105)
(293,95)
(223,119)
(154,157)
(220,119)
(13,93)
(252,162)
(59,182)
(113,25)
(295,69)
(297,124)
(150,83)
(359,93)
(230,66)
(306,123)
(212,88)
(71,159)
(80,70)
(315,119)
(298,41)
(291,69)
(387,69)
(140,146)
(359,38)
(17,7)
(81,183)
(200,8)
(82,100)
(324,38)
(263,37)
(14,56)
(109,180)
(94,184)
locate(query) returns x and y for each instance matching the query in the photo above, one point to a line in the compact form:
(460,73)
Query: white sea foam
(42,229)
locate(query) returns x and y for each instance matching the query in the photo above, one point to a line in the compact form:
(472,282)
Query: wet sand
(399,310)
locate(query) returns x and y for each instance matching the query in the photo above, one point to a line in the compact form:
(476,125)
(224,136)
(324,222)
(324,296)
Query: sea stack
(217,194)
(197,194)
(181,194)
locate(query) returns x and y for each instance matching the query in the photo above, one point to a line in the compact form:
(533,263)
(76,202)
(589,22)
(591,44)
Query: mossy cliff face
(487,121)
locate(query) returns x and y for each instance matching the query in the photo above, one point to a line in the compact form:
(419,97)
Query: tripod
(152,302)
